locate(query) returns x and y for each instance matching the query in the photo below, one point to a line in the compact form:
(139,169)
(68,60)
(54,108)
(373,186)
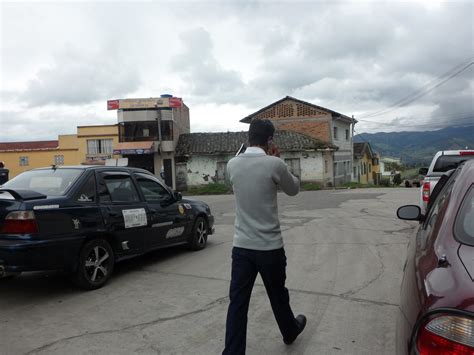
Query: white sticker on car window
(134,218)
(174,232)
(45,207)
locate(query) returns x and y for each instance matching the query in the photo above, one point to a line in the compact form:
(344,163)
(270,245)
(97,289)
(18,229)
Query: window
(464,227)
(53,182)
(152,190)
(24,161)
(347,134)
(59,160)
(99,146)
(325,166)
(370,168)
(335,133)
(448,162)
(138,131)
(119,188)
(87,191)
(166,130)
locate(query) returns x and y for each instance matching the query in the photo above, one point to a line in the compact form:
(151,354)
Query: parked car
(436,313)
(442,161)
(85,219)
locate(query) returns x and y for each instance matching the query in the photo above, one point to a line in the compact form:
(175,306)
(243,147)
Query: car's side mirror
(423,171)
(410,213)
(177,196)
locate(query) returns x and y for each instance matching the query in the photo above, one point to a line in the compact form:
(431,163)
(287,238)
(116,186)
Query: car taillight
(466,153)
(447,335)
(20,222)
(426,191)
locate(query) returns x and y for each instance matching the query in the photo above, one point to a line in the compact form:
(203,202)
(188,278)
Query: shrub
(209,189)
(385,182)
(310,186)
(397,180)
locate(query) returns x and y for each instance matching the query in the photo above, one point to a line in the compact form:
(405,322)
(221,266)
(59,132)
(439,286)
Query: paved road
(345,254)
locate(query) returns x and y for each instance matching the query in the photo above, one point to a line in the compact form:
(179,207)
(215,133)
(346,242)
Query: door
(221,172)
(124,214)
(168,167)
(168,218)
(294,165)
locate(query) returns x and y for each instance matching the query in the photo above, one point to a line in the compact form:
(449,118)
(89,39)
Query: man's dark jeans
(246,264)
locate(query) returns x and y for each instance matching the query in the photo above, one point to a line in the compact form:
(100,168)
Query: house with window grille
(328,126)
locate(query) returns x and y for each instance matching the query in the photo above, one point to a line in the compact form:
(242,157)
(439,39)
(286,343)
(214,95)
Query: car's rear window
(50,182)
(448,162)
(464,226)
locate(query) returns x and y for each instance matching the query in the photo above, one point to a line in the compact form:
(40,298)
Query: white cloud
(229,59)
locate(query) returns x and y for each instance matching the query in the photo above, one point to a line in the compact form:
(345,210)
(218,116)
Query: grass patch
(310,186)
(209,189)
(354,185)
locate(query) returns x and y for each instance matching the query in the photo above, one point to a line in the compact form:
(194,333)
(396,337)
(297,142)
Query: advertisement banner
(176,102)
(113,104)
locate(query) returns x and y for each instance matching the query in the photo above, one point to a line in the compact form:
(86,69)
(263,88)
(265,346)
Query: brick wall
(297,117)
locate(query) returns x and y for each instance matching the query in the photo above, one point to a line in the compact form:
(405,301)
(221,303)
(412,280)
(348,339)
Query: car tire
(198,238)
(95,264)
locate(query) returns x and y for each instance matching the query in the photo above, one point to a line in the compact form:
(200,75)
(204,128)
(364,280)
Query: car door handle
(114,214)
(152,210)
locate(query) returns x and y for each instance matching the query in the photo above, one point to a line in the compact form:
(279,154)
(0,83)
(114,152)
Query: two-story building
(329,126)
(148,132)
(90,145)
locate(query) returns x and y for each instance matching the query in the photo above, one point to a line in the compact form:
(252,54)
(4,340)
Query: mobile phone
(242,149)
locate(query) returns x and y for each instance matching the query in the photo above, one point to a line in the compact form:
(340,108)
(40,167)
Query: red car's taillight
(426,191)
(466,152)
(20,222)
(447,335)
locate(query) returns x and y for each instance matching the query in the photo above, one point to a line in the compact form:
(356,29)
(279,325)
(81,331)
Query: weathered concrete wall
(202,169)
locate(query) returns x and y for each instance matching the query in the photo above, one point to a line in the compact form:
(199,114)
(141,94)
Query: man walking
(258,244)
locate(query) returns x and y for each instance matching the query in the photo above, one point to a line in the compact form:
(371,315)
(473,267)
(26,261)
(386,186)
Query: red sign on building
(176,102)
(113,104)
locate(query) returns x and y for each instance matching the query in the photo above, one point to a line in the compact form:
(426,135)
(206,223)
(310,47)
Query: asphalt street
(345,251)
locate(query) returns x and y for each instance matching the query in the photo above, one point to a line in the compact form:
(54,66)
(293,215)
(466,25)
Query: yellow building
(91,145)
(366,164)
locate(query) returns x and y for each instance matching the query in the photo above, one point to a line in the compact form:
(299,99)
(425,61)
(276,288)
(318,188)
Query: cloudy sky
(394,65)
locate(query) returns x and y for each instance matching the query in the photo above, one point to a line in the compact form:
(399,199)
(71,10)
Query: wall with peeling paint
(202,169)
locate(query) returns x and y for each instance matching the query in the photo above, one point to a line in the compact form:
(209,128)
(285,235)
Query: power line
(459,117)
(424,90)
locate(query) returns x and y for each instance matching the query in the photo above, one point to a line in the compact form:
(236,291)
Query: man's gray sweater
(255,177)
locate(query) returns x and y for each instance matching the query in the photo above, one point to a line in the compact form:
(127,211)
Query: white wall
(202,169)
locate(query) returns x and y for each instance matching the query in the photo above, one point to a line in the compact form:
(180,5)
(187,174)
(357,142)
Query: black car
(84,219)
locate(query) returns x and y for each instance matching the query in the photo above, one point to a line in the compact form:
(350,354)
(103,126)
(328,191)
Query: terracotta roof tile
(27,146)
(230,142)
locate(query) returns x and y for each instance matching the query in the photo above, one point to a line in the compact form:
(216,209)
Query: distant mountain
(418,148)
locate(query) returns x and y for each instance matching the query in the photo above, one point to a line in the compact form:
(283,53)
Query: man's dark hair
(260,131)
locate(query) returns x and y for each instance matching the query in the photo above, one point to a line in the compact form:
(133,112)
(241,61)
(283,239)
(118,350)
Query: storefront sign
(157,102)
(176,102)
(132,151)
(113,104)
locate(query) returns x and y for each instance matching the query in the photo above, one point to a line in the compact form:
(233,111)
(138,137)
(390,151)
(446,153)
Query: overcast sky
(61,61)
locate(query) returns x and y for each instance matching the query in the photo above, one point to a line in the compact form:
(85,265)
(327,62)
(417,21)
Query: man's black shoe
(301,321)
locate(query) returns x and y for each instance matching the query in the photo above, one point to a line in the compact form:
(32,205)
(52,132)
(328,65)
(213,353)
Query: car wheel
(198,239)
(95,265)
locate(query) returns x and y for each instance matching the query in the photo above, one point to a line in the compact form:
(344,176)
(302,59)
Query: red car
(437,292)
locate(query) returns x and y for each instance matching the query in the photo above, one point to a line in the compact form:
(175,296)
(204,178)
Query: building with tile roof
(329,126)
(201,158)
